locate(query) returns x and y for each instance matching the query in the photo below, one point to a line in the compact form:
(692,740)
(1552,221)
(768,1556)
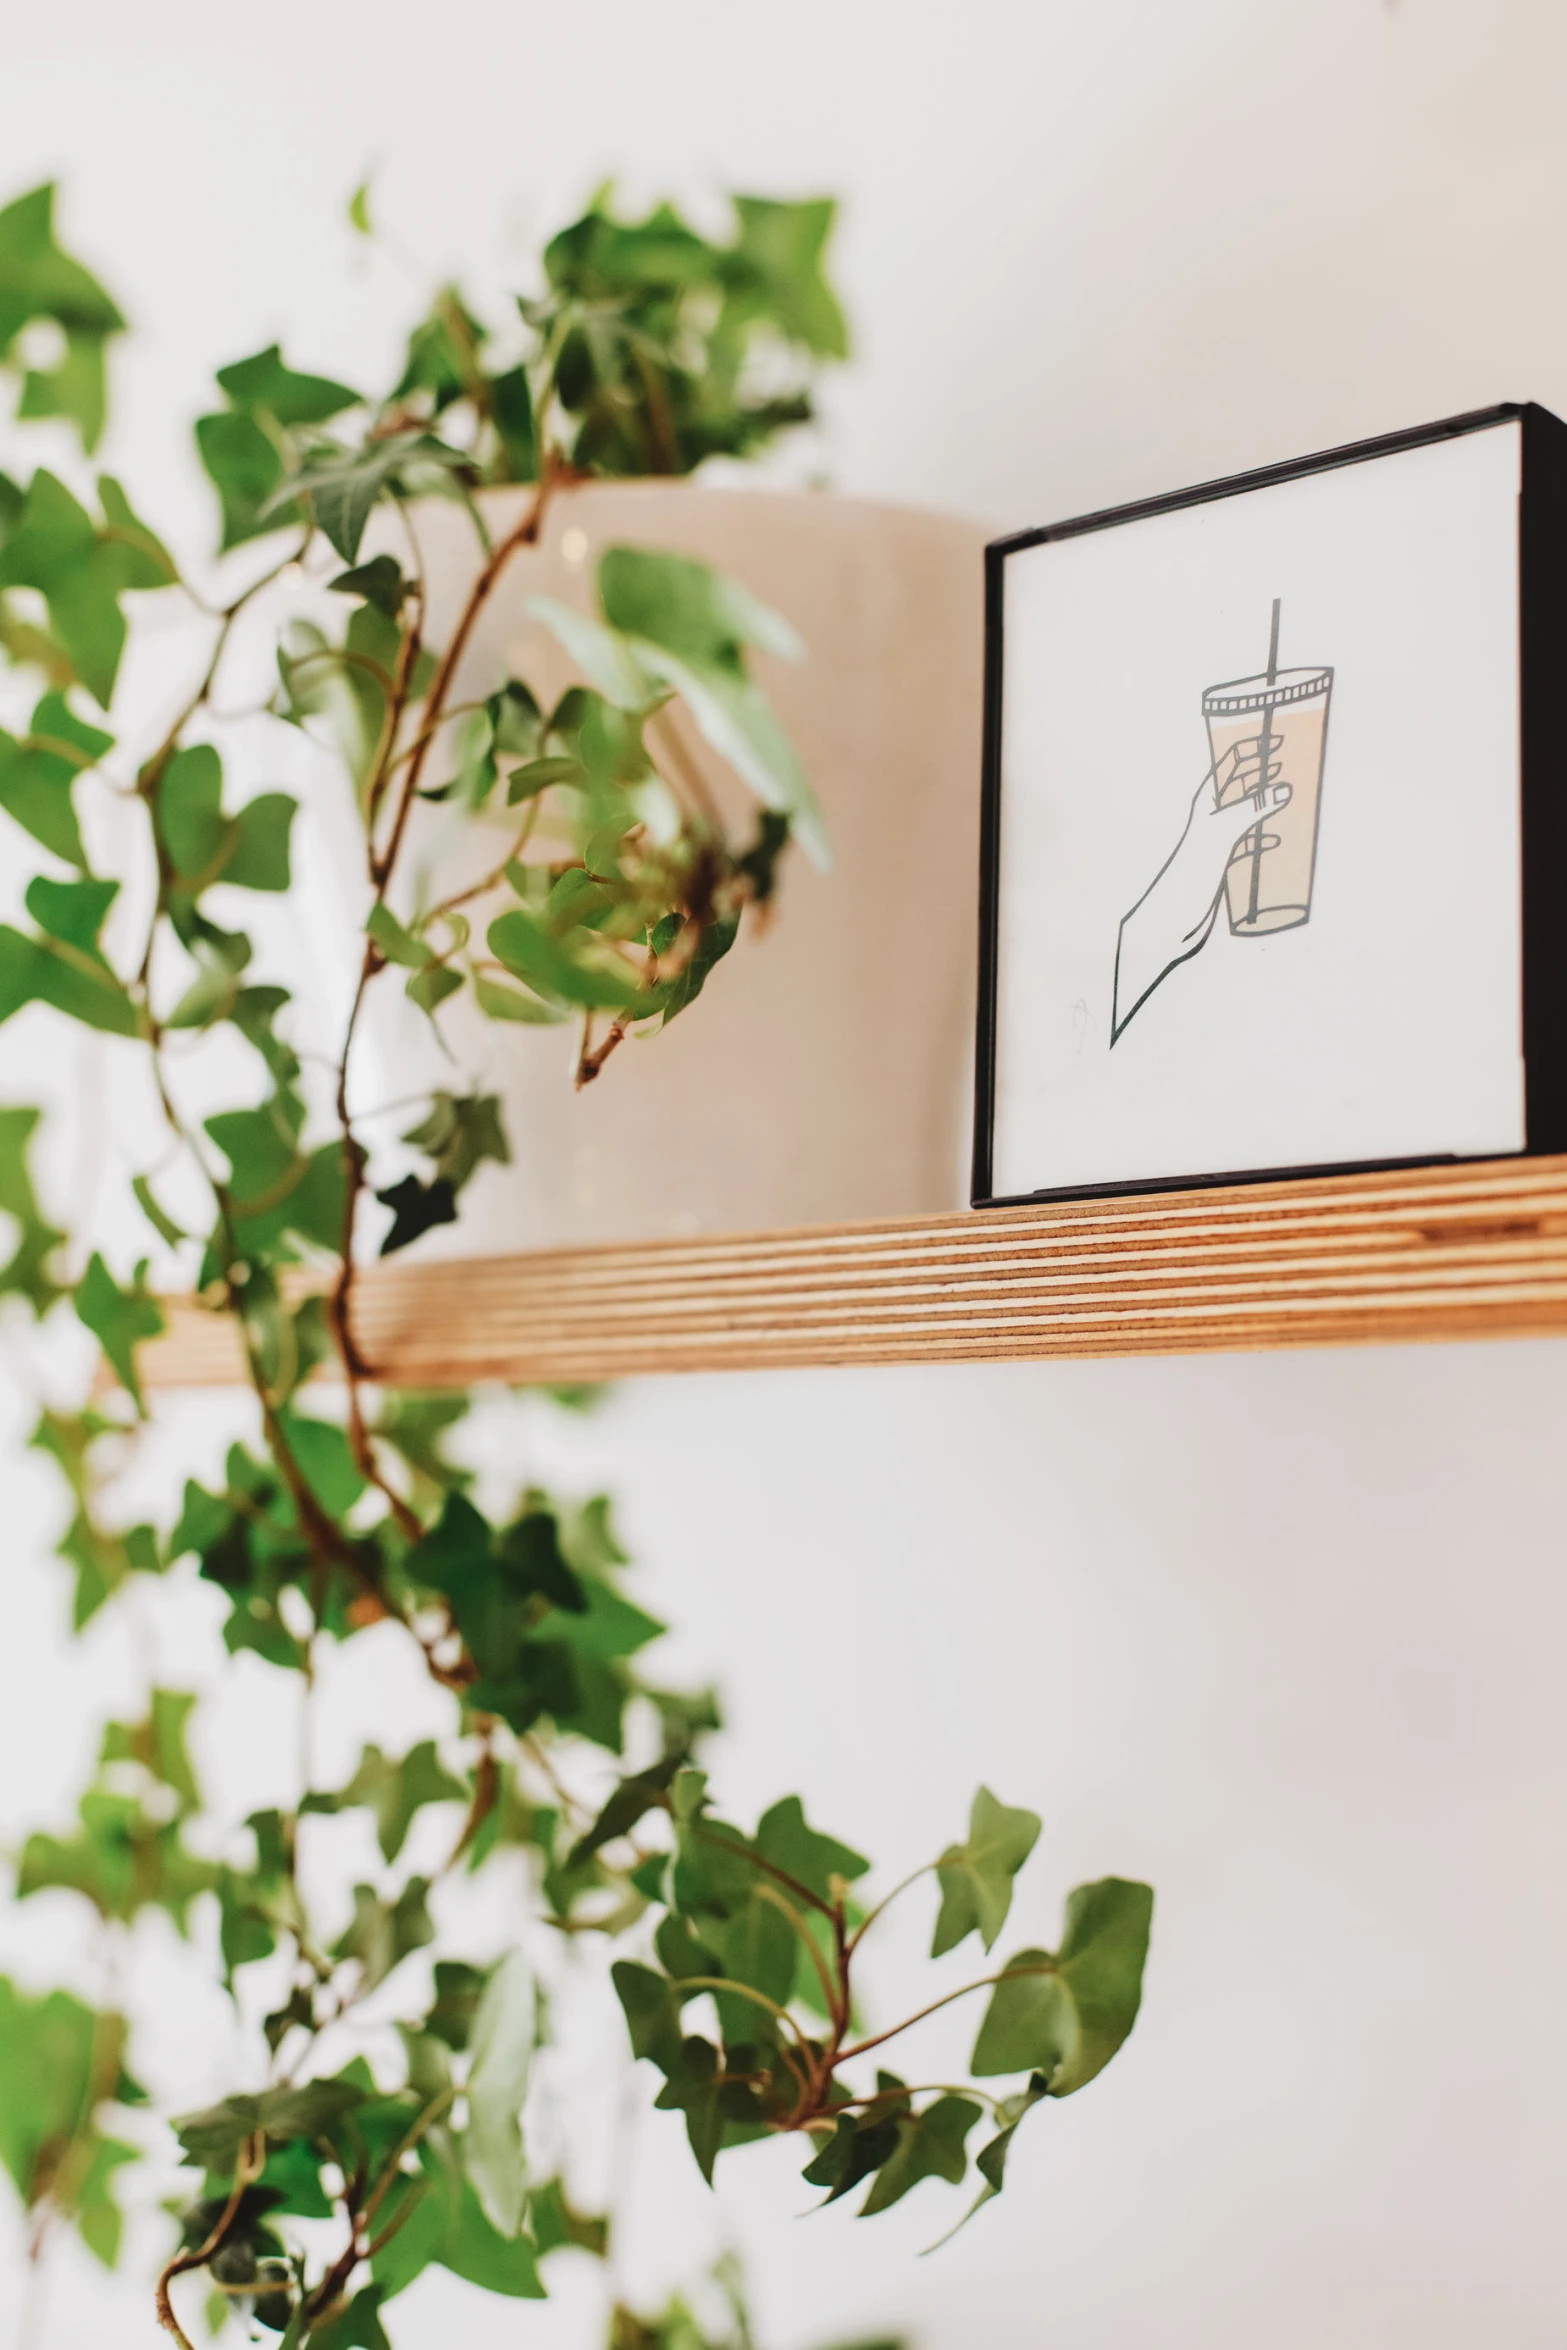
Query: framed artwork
(1274,864)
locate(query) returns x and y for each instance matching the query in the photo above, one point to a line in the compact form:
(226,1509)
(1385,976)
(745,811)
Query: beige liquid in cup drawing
(1250,837)
(1285,713)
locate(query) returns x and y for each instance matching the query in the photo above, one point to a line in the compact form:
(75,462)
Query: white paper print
(1265,912)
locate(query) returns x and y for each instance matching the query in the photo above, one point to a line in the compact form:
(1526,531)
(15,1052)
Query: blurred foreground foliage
(389,2117)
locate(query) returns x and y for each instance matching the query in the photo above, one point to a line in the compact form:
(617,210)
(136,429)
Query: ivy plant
(331,2175)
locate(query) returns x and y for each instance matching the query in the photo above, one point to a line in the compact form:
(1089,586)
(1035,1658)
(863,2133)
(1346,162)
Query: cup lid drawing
(1264,692)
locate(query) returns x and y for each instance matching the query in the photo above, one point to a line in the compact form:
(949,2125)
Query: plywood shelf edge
(1471,1251)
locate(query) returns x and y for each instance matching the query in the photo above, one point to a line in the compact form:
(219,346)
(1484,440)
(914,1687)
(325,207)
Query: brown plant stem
(706,1835)
(486,1789)
(246,2170)
(382,868)
(685,760)
(589,1063)
(727,1987)
(830,1989)
(984,1982)
(497,873)
(355,2250)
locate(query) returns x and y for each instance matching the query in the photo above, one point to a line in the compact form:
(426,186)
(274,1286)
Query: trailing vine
(646,348)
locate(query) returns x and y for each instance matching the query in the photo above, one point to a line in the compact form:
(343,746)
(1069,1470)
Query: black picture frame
(1542,654)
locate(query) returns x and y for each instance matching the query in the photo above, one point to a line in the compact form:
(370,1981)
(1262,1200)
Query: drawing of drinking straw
(1285,712)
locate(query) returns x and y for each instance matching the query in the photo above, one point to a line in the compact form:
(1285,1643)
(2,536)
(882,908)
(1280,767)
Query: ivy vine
(645,348)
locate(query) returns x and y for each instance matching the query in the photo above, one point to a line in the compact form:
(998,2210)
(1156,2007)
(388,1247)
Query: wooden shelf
(1475,1251)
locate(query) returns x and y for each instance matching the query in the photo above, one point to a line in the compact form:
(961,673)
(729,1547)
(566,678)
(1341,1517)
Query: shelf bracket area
(1477,1250)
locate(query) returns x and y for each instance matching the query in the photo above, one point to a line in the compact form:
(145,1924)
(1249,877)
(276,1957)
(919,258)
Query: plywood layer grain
(1470,1251)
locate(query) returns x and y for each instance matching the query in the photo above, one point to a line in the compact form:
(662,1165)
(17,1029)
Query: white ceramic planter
(823,1076)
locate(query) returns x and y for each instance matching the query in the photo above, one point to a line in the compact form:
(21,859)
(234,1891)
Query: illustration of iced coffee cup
(1280,720)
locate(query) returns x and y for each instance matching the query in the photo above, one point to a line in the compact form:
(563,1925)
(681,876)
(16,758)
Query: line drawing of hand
(1173,919)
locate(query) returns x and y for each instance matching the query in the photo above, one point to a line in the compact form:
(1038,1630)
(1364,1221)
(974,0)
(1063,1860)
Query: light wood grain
(1452,1252)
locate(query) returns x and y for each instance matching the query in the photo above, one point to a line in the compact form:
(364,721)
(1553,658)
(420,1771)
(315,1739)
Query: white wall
(1092,252)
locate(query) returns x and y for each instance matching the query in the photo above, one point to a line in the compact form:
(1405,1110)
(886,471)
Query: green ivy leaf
(553,2222)
(247,1539)
(474,779)
(382,1933)
(509,1003)
(430,987)
(511,410)
(633,1798)
(244,465)
(99,2220)
(318,682)
(39,280)
(757,1946)
(505,2034)
(291,2180)
(214,2136)
(122,1859)
(59,2065)
(458,1133)
(686,608)
(245,447)
(396,943)
(38,775)
(976,1877)
(446,2228)
(606,659)
(458,1989)
(119,1319)
(929,2145)
(516,719)
(785,246)
(82,986)
(81,569)
(545,965)
(787,1842)
(671,348)
(991,2160)
(103,1559)
(861,2142)
(394,1791)
(157,1744)
(694,2089)
(66,965)
(1065,2015)
(379,582)
(416,1208)
(325,1459)
(203,845)
(267,384)
(276,1187)
(142,559)
(443,351)
(689,627)
(343,487)
(357,2326)
(652,2011)
(416,1423)
(536,775)
(26,1272)
(188,804)
(73,912)
(259,857)
(690,2065)
(675,996)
